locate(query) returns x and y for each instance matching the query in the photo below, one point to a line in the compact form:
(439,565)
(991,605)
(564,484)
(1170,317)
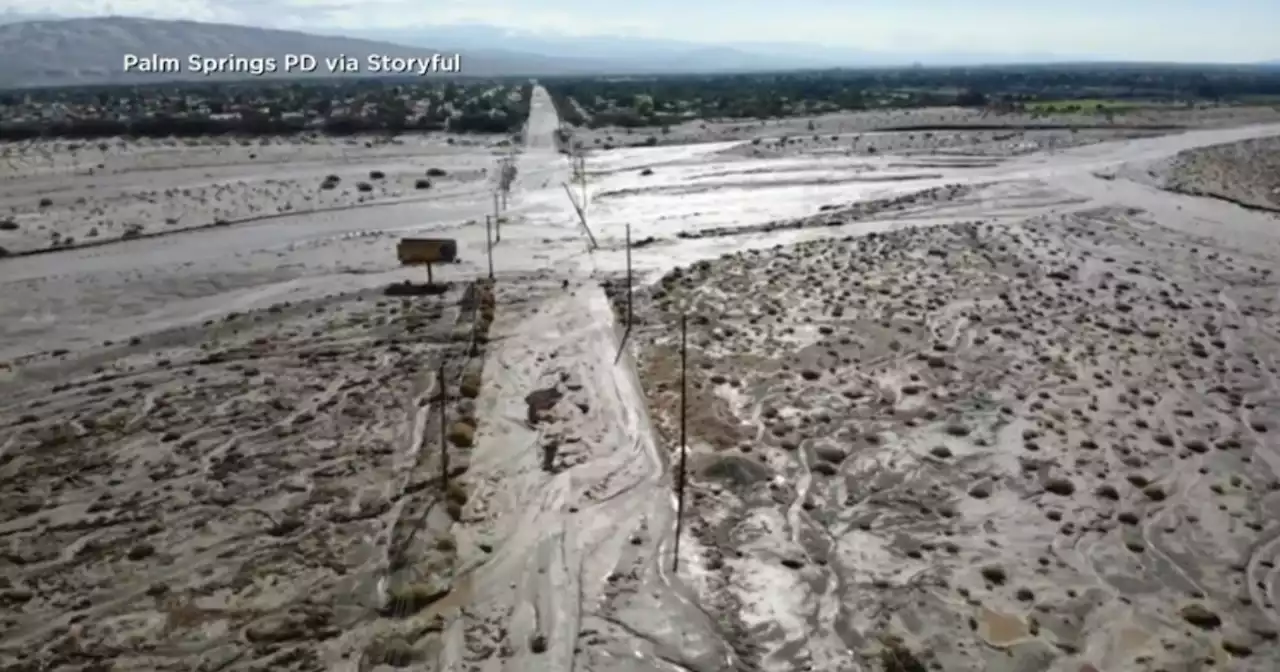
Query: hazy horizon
(1228,31)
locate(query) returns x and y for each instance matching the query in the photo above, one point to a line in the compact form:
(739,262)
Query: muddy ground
(1042,446)
(255,486)
(1247,173)
(58,194)
(945,143)
(947,129)
(261,492)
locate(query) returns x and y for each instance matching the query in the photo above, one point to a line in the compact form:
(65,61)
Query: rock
(1105,491)
(1237,647)
(995,574)
(824,468)
(940,452)
(735,470)
(462,434)
(829,453)
(1200,616)
(541,401)
(1060,486)
(142,551)
(1240,642)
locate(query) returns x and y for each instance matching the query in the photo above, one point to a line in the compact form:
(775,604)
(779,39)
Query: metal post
(629,282)
(444,430)
(684,407)
(488,234)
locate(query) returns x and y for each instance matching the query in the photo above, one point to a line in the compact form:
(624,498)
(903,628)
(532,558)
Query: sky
(1159,30)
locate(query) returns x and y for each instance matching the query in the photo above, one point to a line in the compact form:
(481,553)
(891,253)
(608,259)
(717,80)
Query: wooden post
(430,280)
(444,430)
(582,215)
(684,408)
(582,175)
(488,234)
(629,282)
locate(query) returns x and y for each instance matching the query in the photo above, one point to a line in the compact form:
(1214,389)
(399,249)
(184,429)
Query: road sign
(417,251)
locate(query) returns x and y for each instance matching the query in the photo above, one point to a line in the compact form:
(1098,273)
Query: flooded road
(576,491)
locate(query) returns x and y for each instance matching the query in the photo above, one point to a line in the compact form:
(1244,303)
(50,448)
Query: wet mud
(264,491)
(1037,446)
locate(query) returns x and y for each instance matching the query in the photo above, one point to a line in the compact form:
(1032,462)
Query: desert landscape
(979,399)
(56,194)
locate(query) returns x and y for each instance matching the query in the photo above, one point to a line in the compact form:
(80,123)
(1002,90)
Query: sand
(927,130)
(57,194)
(935,396)
(253,492)
(1003,445)
(1246,173)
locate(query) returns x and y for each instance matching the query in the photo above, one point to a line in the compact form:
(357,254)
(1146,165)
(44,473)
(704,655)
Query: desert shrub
(462,434)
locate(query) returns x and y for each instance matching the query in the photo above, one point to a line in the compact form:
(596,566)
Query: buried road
(1027,424)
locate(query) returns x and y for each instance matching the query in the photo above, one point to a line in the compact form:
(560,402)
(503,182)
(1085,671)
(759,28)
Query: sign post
(425,252)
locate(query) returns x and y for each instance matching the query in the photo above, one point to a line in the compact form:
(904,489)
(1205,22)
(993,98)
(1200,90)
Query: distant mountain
(622,55)
(93,50)
(10,16)
(37,51)
(639,54)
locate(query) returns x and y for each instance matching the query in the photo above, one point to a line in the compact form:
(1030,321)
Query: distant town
(333,106)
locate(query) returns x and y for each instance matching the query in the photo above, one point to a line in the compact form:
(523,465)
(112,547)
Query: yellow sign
(412,251)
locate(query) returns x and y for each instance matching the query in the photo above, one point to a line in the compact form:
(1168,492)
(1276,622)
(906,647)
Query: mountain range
(44,50)
(92,50)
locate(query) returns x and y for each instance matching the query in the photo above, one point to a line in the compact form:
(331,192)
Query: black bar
(684,407)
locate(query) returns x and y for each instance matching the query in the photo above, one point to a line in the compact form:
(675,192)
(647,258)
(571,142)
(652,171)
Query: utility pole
(488,234)
(630,283)
(684,449)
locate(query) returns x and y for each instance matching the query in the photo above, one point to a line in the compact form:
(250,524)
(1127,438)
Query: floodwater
(584,559)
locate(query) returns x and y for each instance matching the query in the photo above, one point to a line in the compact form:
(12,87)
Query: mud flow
(253,493)
(958,399)
(1000,447)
